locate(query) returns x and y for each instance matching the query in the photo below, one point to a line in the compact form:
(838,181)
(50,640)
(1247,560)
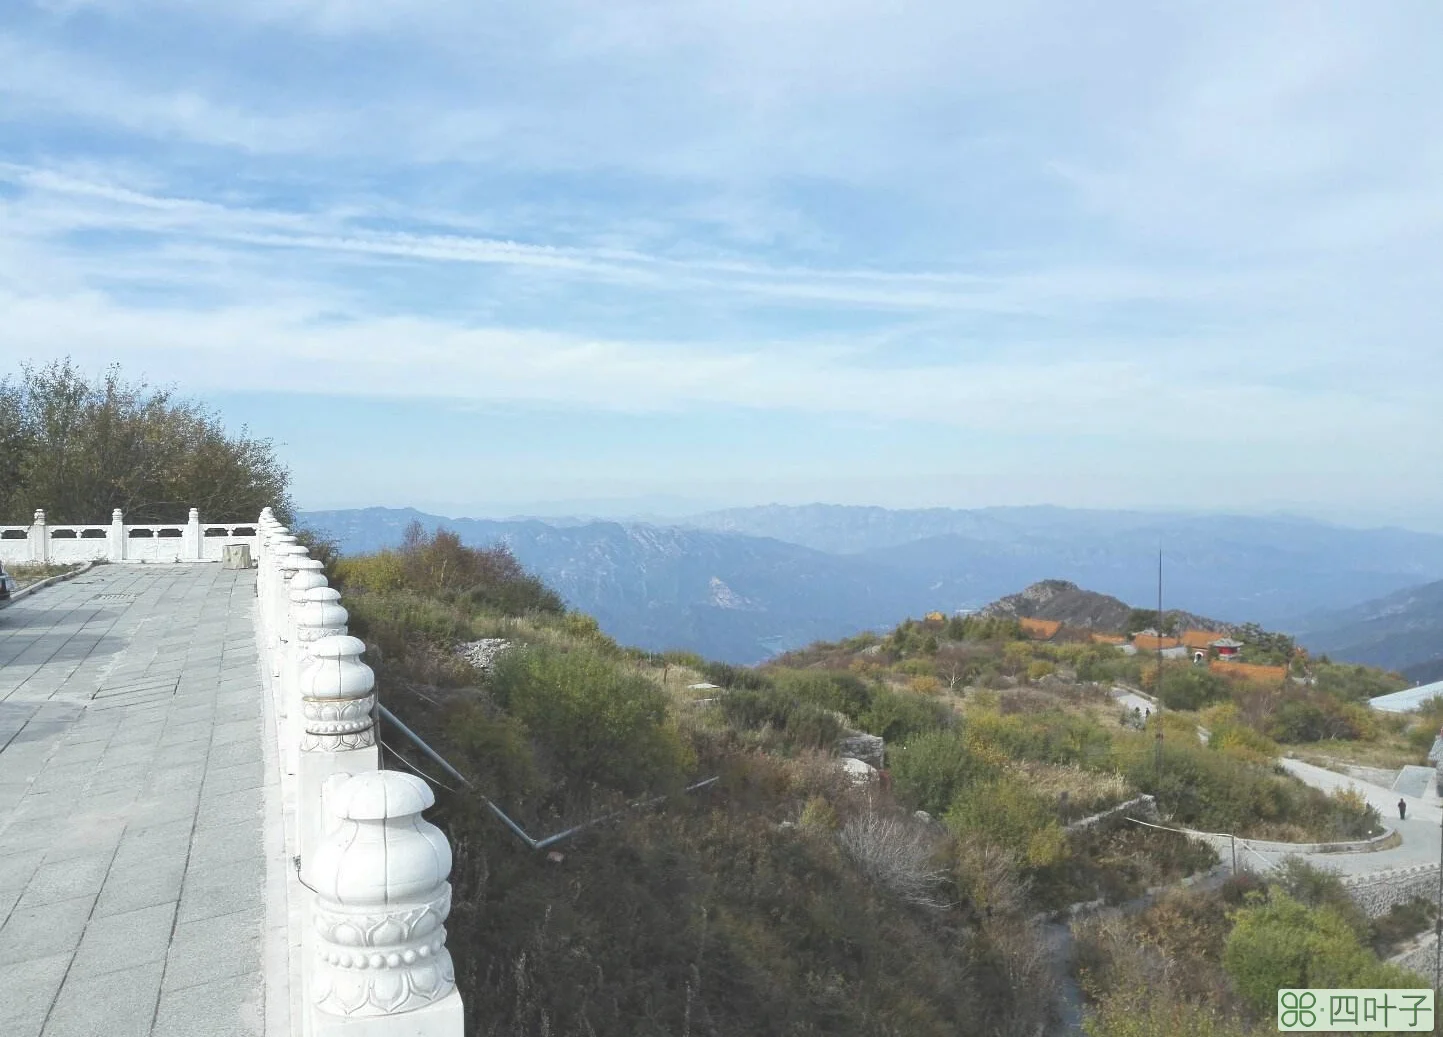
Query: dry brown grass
(1389,752)
(1087,791)
(26,573)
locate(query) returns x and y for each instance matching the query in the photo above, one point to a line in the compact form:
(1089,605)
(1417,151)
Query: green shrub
(1211,791)
(1311,718)
(1285,943)
(598,723)
(726,675)
(1354,683)
(1051,736)
(836,689)
(1191,687)
(1006,813)
(819,815)
(377,573)
(803,724)
(897,716)
(1143,1013)
(1314,887)
(932,768)
(1039,668)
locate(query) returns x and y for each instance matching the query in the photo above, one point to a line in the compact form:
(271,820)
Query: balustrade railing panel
(189,541)
(373,886)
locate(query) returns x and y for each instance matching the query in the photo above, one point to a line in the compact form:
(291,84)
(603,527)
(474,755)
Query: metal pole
(1157,688)
(1234,838)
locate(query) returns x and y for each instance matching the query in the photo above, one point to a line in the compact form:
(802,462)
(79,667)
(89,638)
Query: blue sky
(469,256)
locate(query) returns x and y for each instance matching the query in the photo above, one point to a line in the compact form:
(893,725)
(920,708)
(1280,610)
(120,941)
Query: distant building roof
(1042,629)
(1145,642)
(1109,639)
(1200,638)
(1407,699)
(1225,642)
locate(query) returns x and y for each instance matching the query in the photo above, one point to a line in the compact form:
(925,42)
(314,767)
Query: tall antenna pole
(1158,689)
(1157,685)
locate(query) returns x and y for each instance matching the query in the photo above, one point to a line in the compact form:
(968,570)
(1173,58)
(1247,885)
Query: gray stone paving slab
(212,948)
(17,868)
(222,889)
(191,1012)
(30,988)
(114,1004)
(43,931)
(122,940)
(225,843)
(132,785)
(130,887)
(220,780)
(229,808)
(65,880)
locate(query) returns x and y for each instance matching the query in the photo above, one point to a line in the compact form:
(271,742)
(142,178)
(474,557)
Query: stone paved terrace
(133,778)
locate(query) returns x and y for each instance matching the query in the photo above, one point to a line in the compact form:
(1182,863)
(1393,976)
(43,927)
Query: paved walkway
(132,778)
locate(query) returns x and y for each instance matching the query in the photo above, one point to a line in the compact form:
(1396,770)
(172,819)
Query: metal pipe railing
(517,830)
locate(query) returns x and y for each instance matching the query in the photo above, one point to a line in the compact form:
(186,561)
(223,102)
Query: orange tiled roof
(1150,643)
(1201,638)
(1042,629)
(1250,671)
(1109,639)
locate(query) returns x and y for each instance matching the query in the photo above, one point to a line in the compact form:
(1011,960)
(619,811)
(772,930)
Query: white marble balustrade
(373,885)
(119,541)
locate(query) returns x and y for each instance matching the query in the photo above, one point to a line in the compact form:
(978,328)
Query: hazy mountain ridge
(1401,631)
(1268,569)
(1084,609)
(740,596)
(730,597)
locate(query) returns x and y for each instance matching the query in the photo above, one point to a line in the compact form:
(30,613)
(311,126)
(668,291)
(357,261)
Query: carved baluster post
(337,733)
(265,526)
(266,589)
(288,558)
(39,538)
(379,965)
(194,537)
(318,618)
(308,576)
(116,536)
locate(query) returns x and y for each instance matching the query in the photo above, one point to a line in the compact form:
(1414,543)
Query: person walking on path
(1402,809)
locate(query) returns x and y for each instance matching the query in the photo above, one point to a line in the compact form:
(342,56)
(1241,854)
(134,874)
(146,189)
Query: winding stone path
(132,783)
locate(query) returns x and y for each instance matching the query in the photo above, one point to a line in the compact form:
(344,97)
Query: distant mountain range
(743,584)
(1401,631)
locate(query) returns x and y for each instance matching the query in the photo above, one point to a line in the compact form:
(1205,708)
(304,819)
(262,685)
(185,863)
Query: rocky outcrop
(870,749)
(482,654)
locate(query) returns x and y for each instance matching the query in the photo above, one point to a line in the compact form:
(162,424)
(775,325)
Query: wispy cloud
(1196,226)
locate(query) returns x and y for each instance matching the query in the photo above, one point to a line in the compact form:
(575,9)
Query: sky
(476,257)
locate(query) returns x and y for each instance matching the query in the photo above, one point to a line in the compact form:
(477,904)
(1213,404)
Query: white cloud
(1212,226)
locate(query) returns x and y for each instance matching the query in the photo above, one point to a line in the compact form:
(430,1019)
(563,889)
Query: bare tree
(896,854)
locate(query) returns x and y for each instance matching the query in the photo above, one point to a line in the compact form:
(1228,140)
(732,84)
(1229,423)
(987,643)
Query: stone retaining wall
(1422,960)
(1144,805)
(1378,892)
